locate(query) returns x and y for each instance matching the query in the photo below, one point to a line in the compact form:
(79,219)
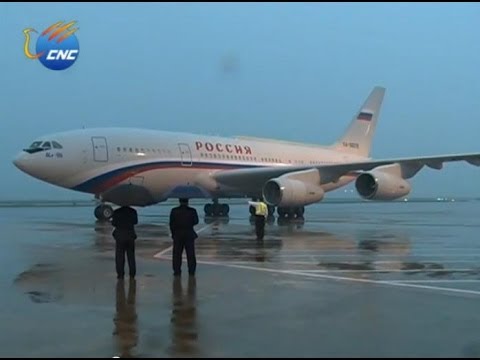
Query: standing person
(261,213)
(182,221)
(124,220)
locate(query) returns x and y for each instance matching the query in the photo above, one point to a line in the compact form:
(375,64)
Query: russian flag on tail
(366,116)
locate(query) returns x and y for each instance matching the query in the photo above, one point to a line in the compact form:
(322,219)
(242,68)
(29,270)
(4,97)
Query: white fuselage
(167,164)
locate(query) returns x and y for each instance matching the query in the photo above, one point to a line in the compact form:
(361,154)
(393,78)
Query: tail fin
(358,137)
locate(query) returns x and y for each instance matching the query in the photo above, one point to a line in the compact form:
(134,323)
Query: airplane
(142,167)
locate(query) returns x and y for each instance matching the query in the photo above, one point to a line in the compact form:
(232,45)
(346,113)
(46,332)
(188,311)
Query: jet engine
(377,185)
(290,192)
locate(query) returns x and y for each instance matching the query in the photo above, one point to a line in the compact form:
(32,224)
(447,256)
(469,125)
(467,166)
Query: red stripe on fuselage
(115,180)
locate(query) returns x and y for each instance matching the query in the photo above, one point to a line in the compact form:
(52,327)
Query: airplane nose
(20,161)
(33,165)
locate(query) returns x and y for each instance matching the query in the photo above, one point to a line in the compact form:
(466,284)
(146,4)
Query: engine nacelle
(378,185)
(291,192)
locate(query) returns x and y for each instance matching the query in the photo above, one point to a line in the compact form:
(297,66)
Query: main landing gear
(103,212)
(216,209)
(283,212)
(291,212)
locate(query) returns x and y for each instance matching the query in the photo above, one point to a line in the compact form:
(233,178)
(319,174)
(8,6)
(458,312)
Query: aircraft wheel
(103,212)
(290,212)
(225,209)
(216,209)
(208,208)
(299,211)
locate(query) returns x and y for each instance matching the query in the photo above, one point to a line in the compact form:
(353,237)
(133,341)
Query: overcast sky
(289,71)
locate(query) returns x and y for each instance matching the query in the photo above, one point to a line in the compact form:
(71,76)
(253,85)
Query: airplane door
(100,149)
(186,154)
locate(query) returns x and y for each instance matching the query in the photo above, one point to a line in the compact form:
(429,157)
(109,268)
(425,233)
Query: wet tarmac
(357,280)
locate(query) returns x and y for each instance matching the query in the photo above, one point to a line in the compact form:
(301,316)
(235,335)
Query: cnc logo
(57,46)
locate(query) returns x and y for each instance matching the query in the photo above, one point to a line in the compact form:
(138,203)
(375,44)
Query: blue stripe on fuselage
(90,185)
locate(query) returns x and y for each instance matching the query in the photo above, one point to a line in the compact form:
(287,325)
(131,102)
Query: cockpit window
(46,145)
(38,146)
(35,147)
(35,144)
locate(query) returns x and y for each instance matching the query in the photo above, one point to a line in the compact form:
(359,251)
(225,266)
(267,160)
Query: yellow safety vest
(261,209)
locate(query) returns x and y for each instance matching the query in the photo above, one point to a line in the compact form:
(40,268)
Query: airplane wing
(256,177)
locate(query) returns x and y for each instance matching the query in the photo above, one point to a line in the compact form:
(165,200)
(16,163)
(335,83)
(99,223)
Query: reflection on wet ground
(125,320)
(184,328)
(337,283)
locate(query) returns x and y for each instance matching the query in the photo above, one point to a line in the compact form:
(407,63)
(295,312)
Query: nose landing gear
(103,212)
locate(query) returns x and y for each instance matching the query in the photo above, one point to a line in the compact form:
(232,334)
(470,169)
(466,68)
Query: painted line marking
(378,262)
(385,270)
(348,279)
(362,256)
(439,281)
(159,254)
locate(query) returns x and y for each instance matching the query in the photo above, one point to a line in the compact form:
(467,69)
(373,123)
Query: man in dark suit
(182,221)
(124,220)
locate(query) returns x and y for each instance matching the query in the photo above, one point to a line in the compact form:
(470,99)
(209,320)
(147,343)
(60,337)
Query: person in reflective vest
(261,213)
